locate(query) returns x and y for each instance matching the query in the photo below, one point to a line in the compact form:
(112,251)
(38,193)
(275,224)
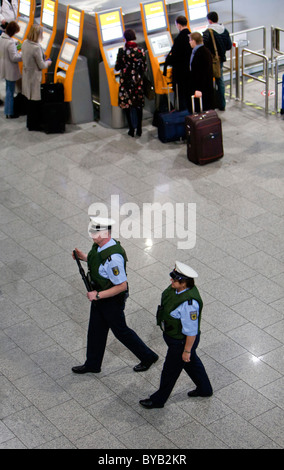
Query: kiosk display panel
(25,7)
(197,14)
(48,13)
(155,16)
(111,54)
(161,43)
(197,9)
(68,51)
(73,23)
(23,26)
(111,26)
(45,39)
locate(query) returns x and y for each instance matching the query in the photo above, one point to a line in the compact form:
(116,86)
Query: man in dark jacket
(179,58)
(223,44)
(201,73)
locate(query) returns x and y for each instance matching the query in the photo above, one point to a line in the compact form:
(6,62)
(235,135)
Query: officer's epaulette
(190,302)
(109,258)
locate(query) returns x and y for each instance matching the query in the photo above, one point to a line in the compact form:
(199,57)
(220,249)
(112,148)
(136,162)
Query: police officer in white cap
(179,317)
(107,272)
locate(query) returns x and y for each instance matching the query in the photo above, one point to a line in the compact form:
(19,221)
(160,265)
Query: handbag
(148,88)
(215,59)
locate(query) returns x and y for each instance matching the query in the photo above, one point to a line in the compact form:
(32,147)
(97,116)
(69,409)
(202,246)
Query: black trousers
(131,125)
(173,366)
(109,314)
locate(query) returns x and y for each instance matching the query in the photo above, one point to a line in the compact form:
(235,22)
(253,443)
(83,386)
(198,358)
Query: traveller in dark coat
(201,74)
(178,58)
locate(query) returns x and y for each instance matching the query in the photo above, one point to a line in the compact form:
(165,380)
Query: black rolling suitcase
(53,117)
(52,92)
(204,136)
(171,124)
(53,108)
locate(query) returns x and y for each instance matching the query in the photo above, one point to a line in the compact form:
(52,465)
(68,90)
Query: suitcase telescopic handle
(193,104)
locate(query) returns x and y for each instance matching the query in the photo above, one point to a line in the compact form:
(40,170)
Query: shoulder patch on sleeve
(193,315)
(115,271)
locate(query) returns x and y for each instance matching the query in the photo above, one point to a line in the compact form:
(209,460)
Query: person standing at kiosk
(33,64)
(131,61)
(179,58)
(8,12)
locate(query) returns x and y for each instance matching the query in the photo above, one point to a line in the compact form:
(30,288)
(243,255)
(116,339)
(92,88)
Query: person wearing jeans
(9,65)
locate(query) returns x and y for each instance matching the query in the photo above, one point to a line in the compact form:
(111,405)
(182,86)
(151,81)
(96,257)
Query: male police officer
(107,271)
(179,317)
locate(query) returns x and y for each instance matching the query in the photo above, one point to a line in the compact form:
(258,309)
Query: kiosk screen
(155,16)
(25,7)
(161,44)
(45,39)
(111,26)
(48,13)
(111,54)
(197,9)
(68,51)
(73,23)
(23,26)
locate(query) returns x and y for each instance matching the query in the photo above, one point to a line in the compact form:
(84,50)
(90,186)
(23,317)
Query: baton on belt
(82,272)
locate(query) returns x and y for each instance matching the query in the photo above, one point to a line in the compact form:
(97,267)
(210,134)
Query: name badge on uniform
(115,271)
(193,315)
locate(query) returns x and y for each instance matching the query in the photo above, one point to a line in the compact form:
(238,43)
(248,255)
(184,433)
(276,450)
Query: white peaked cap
(98,224)
(185,270)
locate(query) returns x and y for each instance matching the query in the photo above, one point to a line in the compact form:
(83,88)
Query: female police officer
(107,271)
(179,317)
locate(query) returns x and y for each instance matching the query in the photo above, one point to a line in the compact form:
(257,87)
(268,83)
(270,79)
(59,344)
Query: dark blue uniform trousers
(173,366)
(109,314)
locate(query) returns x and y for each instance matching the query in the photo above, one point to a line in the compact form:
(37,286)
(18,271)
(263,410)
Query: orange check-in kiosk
(71,69)
(158,41)
(48,20)
(110,29)
(25,19)
(196,14)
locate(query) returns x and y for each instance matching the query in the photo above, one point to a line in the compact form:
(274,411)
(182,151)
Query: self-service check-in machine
(158,41)
(196,13)
(48,20)
(25,18)
(71,69)
(110,28)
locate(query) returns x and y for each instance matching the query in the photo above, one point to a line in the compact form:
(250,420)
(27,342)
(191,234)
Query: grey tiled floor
(47,183)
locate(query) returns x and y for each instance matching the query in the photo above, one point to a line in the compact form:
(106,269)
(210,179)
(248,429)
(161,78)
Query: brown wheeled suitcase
(204,136)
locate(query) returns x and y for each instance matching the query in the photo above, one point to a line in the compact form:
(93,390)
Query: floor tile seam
(33,407)
(247,422)
(243,379)
(250,352)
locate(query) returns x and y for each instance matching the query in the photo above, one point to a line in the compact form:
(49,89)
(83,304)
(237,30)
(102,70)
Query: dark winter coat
(131,61)
(179,58)
(222,40)
(201,76)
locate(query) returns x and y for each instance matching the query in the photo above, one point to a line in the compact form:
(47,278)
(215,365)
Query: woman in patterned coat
(131,61)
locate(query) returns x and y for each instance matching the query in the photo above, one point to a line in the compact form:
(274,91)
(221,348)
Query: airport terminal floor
(47,183)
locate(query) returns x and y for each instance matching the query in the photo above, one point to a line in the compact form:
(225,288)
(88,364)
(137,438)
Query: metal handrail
(237,57)
(265,81)
(274,32)
(277,82)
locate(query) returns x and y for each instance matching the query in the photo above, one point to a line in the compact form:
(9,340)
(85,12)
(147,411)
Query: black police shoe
(149,404)
(84,369)
(142,366)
